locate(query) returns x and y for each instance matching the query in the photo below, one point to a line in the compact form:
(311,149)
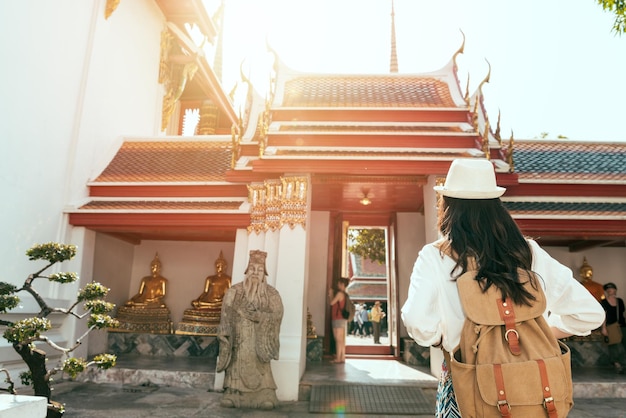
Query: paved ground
(89,400)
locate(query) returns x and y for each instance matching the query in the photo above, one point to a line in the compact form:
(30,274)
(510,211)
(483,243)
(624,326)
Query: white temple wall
(411,239)
(74,84)
(88,85)
(317,297)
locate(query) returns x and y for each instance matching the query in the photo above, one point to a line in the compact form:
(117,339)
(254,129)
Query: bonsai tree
(25,333)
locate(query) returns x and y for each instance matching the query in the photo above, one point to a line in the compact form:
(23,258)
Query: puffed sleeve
(420,312)
(570,307)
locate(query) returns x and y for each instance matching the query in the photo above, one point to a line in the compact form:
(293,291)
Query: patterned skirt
(446,401)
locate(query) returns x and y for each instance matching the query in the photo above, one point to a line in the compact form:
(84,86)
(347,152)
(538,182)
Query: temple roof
(168,161)
(570,161)
(366,91)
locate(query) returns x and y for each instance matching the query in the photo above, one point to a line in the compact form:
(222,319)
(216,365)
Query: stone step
(143,372)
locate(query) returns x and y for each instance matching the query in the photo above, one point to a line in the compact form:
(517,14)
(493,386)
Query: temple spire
(218,19)
(393,65)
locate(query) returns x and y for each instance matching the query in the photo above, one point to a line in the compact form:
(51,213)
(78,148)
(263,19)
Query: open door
(365,262)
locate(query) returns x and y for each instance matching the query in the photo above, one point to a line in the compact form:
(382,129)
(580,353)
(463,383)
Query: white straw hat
(470,178)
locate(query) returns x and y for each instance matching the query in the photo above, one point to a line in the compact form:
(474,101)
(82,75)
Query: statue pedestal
(199,322)
(143,320)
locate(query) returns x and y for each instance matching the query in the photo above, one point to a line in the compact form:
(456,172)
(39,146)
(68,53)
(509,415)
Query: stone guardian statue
(248,336)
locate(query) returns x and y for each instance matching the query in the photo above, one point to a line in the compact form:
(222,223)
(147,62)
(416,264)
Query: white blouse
(433,308)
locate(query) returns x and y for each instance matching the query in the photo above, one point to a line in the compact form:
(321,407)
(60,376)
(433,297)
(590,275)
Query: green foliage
(8,302)
(52,251)
(618,8)
(92,291)
(100,321)
(26,378)
(27,330)
(63,277)
(99,306)
(73,366)
(368,243)
(105,361)
(24,333)
(7,288)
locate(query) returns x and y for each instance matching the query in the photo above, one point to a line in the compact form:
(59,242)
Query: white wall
(609,264)
(72,84)
(318,268)
(411,239)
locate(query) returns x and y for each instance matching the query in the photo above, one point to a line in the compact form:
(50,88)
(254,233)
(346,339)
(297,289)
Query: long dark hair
(484,229)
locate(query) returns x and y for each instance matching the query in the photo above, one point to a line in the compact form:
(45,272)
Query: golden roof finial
(485,80)
(486,141)
(497,133)
(509,156)
(459,51)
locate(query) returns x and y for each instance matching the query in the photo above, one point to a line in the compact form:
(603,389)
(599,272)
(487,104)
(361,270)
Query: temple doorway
(365,262)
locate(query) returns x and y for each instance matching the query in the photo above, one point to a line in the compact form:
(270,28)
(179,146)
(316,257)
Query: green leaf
(52,252)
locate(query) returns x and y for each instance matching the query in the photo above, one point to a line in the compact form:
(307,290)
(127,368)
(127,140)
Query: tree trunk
(35,359)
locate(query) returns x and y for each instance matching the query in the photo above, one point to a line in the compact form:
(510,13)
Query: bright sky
(556,67)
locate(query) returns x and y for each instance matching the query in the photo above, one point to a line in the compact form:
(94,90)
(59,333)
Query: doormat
(370,399)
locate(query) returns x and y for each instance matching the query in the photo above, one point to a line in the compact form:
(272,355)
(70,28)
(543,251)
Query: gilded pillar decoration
(110,8)
(256,197)
(173,76)
(294,201)
(207,125)
(273,204)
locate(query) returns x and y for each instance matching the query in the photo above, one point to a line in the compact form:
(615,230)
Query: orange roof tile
(168,161)
(367,91)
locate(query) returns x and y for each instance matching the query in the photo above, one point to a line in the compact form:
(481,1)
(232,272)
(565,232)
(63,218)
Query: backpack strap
(548,400)
(503,404)
(507,314)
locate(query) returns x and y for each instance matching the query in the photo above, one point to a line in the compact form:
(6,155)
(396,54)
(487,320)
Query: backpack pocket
(477,390)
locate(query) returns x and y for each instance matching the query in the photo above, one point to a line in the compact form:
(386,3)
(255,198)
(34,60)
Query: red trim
(160,220)
(391,140)
(562,189)
(572,227)
(358,167)
(172,190)
(370,114)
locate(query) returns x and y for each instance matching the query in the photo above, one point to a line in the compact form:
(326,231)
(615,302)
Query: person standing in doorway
(377,316)
(337,303)
(364,320)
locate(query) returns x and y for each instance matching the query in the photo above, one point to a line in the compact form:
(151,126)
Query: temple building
(98,159)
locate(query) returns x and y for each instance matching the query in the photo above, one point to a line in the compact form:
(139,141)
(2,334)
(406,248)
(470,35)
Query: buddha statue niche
(146,311)
(586,277)
(204,316)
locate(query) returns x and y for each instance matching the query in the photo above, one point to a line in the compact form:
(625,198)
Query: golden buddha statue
(146,311)
(586,275)
(214,287)
(204,317)
(152,288)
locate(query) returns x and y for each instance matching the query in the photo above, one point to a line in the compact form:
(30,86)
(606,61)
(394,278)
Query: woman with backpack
(337,303)
(476,228)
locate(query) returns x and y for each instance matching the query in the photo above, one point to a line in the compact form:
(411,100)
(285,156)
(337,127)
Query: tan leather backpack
(508,363)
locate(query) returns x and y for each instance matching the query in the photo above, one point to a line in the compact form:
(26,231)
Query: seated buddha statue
(146,311)
(152,288)
(214,287)
(204,316)
(586,275)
